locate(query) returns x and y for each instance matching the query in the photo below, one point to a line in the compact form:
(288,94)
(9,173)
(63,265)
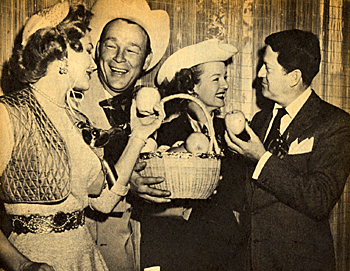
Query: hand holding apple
(235,124)
(146,98)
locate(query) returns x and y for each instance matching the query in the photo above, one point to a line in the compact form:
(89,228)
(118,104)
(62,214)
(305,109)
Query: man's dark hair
(29,63)
(297,49)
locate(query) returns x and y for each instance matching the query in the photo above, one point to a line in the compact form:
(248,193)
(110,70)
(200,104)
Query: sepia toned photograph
(174,135)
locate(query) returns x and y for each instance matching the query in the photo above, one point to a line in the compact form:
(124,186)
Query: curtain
(245,24)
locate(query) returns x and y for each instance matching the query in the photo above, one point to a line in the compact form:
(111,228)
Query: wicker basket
(187,175)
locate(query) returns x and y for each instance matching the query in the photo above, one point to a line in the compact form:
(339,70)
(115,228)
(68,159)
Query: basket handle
(213,144)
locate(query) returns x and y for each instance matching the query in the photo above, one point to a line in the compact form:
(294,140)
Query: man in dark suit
(300,160)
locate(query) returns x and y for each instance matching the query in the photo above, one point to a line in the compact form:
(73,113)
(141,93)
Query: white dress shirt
(292,110)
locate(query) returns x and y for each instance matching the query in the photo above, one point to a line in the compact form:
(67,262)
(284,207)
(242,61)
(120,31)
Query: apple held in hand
(197,143)
(235,122)
(145,99)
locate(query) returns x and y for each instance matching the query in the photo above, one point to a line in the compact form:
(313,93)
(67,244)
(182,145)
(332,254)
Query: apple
(197,143)
(145,99)
(235,122)
(151,146)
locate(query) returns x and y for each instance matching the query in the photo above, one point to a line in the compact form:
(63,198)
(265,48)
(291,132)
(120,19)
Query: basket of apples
(191,170)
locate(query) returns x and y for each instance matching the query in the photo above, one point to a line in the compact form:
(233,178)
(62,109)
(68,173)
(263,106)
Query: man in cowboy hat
(130,40)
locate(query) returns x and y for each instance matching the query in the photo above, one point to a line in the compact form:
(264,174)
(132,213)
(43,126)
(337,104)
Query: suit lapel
(304,119)
(260,123)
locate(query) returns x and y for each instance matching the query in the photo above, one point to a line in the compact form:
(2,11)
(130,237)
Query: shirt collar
(107,94)
(294,107)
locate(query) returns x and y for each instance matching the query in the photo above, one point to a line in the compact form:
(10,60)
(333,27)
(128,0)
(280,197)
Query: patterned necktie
(116,115)
(118,118)
(275,128)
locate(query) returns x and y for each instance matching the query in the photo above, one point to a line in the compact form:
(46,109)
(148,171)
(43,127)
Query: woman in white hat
(209,235)
(49,173)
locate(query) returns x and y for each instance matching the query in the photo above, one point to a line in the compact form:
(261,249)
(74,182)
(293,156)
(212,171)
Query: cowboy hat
(192,55)
(154,22)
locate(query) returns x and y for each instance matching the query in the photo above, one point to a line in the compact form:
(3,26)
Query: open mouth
(118,71)
(77,94)
(89,74)
(220,95)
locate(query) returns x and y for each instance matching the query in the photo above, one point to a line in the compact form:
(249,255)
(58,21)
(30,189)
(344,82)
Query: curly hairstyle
(28,64)
(184,81)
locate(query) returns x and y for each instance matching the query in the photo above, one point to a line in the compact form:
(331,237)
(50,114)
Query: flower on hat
(49,17)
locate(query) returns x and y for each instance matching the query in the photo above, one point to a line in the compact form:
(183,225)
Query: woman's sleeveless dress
(72,249)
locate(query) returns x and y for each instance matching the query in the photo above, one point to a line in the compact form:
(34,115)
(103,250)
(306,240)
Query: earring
(193,93)
(64,67)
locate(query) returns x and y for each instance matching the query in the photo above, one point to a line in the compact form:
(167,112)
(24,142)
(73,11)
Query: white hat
(155,22)
(187,57)
(49,17)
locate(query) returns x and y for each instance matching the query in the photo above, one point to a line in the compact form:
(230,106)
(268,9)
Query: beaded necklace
(47,97)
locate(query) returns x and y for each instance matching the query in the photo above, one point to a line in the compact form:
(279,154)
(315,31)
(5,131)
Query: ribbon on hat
(49,17)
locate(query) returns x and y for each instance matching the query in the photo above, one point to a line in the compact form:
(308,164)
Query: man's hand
(140,185)
(253,149)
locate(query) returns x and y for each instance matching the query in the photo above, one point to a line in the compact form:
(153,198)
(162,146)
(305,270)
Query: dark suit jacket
(291,200)
(212,237)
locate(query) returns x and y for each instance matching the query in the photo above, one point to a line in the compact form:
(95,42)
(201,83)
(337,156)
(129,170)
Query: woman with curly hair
(49,172)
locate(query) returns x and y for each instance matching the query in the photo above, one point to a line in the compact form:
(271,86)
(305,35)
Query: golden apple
(145,99)
(235,122)
(197,143)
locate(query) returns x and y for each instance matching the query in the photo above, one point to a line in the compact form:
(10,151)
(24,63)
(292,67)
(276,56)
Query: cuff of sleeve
(120,190)
(261,163)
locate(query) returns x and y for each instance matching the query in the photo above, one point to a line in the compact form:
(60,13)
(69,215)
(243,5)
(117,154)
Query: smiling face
(212,87)
(81,65)
(275,84)
(122,55)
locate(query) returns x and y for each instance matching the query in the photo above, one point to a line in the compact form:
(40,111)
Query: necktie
(115,114)
(118,118)
(275,128)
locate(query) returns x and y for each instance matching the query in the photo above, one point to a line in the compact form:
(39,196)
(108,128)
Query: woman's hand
(33,266)
(143,129)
